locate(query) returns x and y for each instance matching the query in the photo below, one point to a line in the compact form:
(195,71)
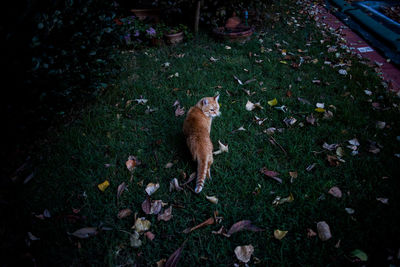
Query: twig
(276,143)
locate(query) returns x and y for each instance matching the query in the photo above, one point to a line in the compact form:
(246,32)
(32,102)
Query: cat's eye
(211,109)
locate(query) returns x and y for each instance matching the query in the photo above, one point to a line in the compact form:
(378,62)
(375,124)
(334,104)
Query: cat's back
(195,123)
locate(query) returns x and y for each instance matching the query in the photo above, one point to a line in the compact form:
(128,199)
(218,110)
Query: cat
(196,128)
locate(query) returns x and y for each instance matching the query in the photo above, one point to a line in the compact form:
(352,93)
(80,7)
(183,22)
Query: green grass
(109,131)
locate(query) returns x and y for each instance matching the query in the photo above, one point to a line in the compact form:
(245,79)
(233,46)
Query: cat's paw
(198,189)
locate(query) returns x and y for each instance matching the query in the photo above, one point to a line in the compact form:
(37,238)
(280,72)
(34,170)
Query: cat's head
(210,106)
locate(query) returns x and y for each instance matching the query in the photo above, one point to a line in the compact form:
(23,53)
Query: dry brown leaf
(271,174)
(150,236)
(335,191)
(146,205)
(243,253)
(174,185)
(166,216)
(179,111)
(131,163)
(310,233)
(279,234)
(124,213)
(221,231)
(174,258)
(121,189)
(243,225)
(209,221)
(169,165)
(324,232)
(85,232)
(141,225)
(161,263)
(212,199)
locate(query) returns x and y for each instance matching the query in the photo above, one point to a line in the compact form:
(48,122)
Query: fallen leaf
(304,101)
(380,124)
(311,167)
(131,163)
(174,185)
(141,225)
(310,119)
(46,213)
(85,232)
(282,108)
(32,237)
(222,148)
(271,174)
(124,213)
(134,240)
(174,258)
(320,105)
(209,221)
(349,210)
(221,231)
(361,255)
(328,115)
(354,142)
(151,188)
(333,160)
(243,253)
(179,111)
(273,102)
(383,200)
(293,175)
(339,152)
(324,231)
(289,121)
(166,216)
(141,100)
(343,72)
(146,205)
(121,189)
(212,59)
(227,47)
(212,199)
(103,186)
(161,263)
(310,233)
(243,225)
(169,165)
(320,110)
(150,236)
(367,92)
(278,234)
(329,147)
(278,200)
(335,191)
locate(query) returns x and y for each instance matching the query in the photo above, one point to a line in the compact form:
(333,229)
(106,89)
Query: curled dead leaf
(212,199)
(271,174)
(335,191)
(174,185)
(150,236)
(85,232)
(124,213)
(166,216)
(131,163)
(151,188)
(243,253)
(324,232)
(243,225)
(141,225)
(209,221)
(279,234)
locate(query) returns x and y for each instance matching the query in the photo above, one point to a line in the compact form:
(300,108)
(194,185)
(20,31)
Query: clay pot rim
(219,31)
(174,34)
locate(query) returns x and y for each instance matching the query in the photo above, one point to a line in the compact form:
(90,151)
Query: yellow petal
(320,110)
(103,186)
(273,102)
(278,234)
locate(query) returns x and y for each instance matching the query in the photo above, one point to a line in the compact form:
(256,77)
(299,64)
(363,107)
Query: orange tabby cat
(197,127)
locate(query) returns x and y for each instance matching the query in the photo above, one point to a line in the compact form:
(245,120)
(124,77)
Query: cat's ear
(216,98)
(205,102)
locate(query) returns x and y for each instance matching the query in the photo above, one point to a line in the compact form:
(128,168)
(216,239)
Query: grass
(69,169)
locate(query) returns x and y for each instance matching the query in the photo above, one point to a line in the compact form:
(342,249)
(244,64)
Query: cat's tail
(201,174)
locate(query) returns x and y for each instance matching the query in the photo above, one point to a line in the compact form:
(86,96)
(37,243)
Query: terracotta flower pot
(174,38)
(239,34)
(151,14)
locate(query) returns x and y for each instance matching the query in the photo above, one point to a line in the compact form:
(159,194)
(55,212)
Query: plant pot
(174,38)
(238,34)
(148,14)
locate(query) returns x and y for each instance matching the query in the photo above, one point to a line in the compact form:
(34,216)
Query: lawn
(289,63)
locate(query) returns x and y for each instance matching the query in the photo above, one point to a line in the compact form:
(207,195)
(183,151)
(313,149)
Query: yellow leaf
(320,110)
(103,186)
(273,102)
(278,234)
(283,62)
(141,225)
